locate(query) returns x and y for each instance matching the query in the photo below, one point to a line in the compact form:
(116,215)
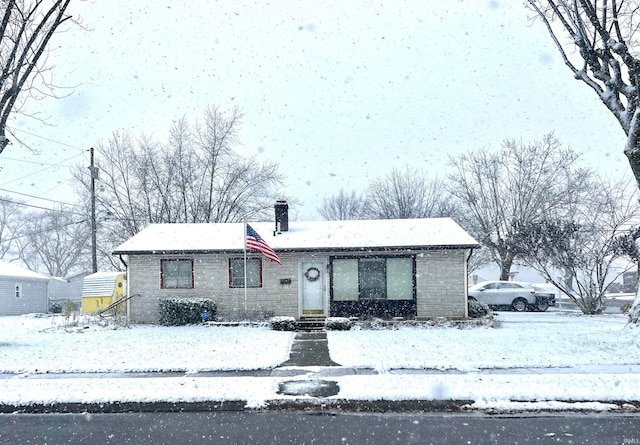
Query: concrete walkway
(310,349)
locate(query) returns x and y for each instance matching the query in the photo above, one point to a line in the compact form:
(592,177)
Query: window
(18,291)
(372,277)
(236,272)
(377,278)
(507,286)
(176,274)
(345,280)
(399,278)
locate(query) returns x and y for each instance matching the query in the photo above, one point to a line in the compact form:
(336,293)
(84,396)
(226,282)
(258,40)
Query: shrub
(182,311)
(478,309)
(67,308)
(338,324)
(55,307)
(282,323)
(625,308)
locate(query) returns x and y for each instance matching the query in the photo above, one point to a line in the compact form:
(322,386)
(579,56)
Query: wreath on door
(312,274)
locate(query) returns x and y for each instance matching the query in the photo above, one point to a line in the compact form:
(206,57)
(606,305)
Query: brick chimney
(282,216)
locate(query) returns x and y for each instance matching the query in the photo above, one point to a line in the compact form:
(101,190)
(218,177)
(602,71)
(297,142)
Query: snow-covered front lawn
(539,339)
(41,345)
(592,350)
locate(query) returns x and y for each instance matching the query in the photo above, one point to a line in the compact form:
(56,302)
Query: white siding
(58,289)
(32,300)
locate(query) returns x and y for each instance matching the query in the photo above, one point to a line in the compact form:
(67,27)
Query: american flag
(255,242)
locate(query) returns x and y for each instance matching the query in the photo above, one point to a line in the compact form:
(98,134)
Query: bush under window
(183,311)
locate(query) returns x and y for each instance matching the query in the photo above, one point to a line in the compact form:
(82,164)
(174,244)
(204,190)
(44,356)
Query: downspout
(466,283)
(128,290)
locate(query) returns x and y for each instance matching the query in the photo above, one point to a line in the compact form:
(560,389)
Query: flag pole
(244,247)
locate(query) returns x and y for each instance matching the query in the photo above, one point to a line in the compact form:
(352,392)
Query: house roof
(14,271)
(77,275)
(301,236)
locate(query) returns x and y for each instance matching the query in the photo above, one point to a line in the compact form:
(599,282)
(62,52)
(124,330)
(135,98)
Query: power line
(37,207)
(48,229)
(35,173)
(40,163)
(46,139)
(37,197)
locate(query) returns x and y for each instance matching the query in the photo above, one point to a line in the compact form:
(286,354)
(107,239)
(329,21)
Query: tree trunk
(4,141)
(632,151)
(634,312)
(506,260)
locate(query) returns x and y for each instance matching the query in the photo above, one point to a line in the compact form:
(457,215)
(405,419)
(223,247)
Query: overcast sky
(336,92)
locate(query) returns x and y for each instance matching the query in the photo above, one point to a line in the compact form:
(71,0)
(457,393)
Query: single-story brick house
(415,268)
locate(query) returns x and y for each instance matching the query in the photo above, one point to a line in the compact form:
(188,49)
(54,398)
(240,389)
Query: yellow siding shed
(101,289)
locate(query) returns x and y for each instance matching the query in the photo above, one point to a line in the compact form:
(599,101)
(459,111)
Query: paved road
(317,428)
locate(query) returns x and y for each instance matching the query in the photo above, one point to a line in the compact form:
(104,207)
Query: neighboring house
(474,278)
(58,291)
(75,286)
(22,291)
(415,268)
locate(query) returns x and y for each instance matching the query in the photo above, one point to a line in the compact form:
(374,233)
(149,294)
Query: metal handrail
(113,305)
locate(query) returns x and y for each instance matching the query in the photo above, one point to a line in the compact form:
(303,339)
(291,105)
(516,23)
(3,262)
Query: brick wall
(440,285)
(211,280)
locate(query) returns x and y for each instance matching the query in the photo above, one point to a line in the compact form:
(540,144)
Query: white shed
(22,291)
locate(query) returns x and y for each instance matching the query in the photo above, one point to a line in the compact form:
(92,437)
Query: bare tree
(343,206)
(26,28)
(10,216)
(407,193)
(586,245)
(517,186)
(193,177)
(55,241)
(605,35)
(216,138)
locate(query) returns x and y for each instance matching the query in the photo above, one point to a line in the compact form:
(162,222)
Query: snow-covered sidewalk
(548,360)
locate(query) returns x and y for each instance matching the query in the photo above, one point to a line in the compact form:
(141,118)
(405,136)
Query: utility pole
(94,175)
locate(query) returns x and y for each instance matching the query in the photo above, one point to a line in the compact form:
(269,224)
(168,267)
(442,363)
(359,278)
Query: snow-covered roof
(301,236)
(15,271)
(100,284)
(77,275)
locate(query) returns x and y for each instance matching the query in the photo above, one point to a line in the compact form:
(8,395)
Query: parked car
(545,297)
(497,294)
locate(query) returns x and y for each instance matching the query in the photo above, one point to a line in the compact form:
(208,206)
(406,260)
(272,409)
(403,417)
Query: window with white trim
(18,290)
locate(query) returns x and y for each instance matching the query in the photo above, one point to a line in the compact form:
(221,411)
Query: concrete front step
(311,324)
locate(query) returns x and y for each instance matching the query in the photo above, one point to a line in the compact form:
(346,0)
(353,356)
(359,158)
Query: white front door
(312,288)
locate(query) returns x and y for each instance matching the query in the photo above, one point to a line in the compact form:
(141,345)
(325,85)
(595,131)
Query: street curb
(124,407)
(319,405)
(369,406)
(376,406)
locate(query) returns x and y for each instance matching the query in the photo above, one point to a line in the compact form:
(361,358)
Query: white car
(516,295)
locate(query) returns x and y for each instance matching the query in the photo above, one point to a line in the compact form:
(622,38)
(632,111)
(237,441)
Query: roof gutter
(299,249)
